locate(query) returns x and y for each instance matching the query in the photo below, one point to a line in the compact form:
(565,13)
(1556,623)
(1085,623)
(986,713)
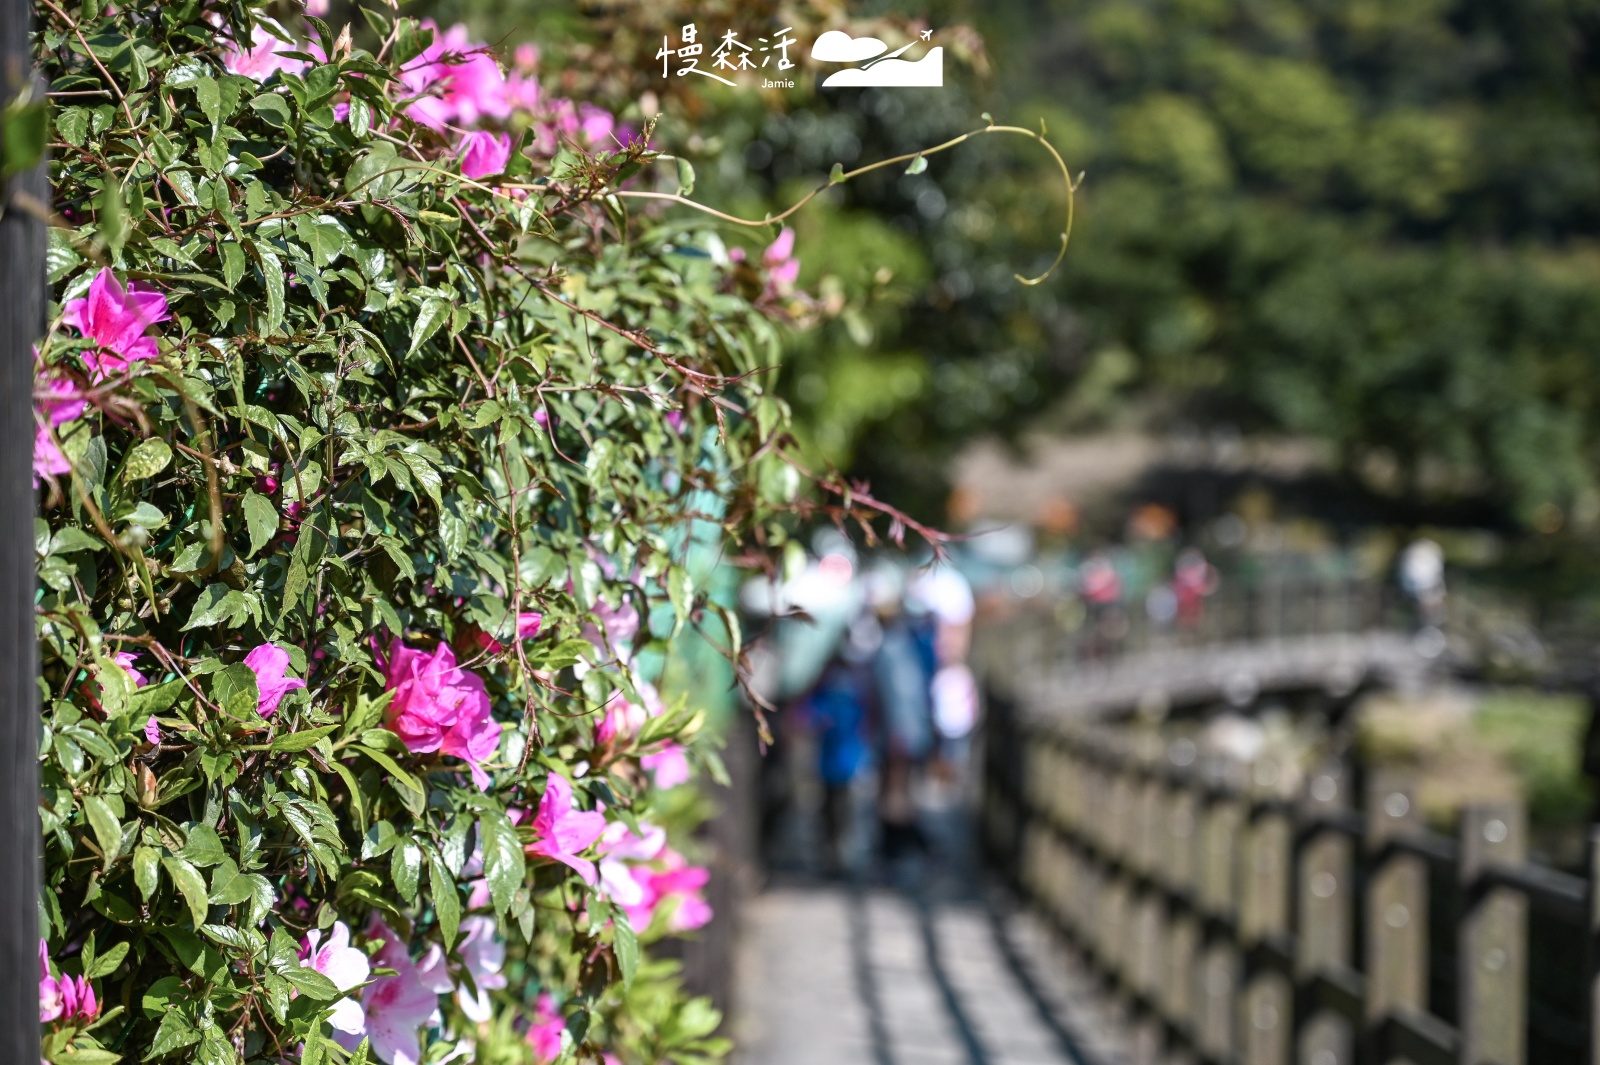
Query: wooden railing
(1258,914)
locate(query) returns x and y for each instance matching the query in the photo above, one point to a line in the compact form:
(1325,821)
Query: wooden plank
(1324,905)
(1492,956)
(22,323)
(1396,910)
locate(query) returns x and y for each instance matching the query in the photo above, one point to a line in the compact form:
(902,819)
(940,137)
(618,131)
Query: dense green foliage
(1368,222)
(360,474)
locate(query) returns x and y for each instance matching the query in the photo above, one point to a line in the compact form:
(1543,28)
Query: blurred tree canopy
(1371,221)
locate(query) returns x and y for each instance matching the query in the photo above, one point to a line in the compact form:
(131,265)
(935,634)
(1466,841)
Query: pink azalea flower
(682,882)
(126,659)
(62,405)
(318,8)
(269,663)
(544,1034)
(667,878)
(484,954)
(264,57)
(485,154)
(50,1000)
(455,81)
(528,623)
(563,830)
(152,730)
(783,269)
(670,766)
(618,847)
(393,1007)
(116,319)
(346,966)
(77,999)
(438,706)
(618,626)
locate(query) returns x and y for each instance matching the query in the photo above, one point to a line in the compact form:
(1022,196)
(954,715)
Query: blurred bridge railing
(1271,909)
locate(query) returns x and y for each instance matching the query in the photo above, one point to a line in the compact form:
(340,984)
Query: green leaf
(434,313)
(161,995)
(405,868)
(272,272)
(836,175)
(233,264)
(106,962)
(236,691)
(261,517)
(146,460)
(918,165)
(401,777)
(446,899)
(204,846)
(685,177)
(146,870)
(107,829)
(299,741)
(273,109)
(217,603)
(626,945)
(155,699)
(208,94)
(175,1032)
(312,983)
(504,864)
(186,878)
(22,134)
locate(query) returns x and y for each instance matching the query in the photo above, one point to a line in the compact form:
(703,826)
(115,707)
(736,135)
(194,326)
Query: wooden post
(22,313)
(1266,1009)
(1492,963)
(1397,898)
(1325,898)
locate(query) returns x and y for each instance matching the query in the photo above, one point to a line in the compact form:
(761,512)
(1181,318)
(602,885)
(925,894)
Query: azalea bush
(373,434)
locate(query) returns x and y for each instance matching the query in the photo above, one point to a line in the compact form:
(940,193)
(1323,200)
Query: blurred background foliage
(1372,222)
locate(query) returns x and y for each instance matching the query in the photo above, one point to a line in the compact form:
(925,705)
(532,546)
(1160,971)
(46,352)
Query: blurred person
(1100,586)
(901,681)
(1193,580)
(1422,580)
(836,709)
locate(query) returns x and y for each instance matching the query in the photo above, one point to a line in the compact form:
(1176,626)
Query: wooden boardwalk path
(838,975)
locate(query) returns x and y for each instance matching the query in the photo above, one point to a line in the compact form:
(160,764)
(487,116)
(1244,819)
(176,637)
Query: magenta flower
(618,626)
(270,663)
(62,405)
(783,269)
(455,81)
(264,57)
(618,848)
(681,883)
(484,954)
(670,766)
(116,319)
(77,999)
(346,966)
(438,706)
(393,1007)
(485,154)
(544,1034)
(50,1001)
(126,659)
(528,623)
(152,730)
(563,830)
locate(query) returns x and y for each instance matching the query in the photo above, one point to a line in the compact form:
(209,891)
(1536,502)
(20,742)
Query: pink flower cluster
(544,1034)
(564,831)
(117,320)
(68,998)
(778,262)
(641,873)
(437,706)
(270,664)
(669,763)
(391,1010)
